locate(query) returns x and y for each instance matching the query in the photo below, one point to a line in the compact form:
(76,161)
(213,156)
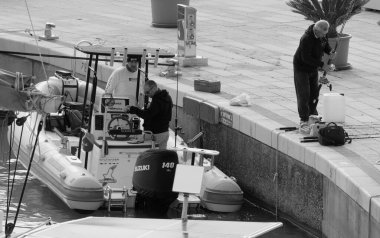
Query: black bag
(55,120)
(333,134)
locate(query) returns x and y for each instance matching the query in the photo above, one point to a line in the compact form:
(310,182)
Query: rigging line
(36,40)
(15,167)
(5,120)
(11,138)
(32,134)
(176,104)
(10,227)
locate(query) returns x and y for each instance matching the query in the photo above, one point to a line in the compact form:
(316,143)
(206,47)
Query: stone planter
(342,52)
(164,12)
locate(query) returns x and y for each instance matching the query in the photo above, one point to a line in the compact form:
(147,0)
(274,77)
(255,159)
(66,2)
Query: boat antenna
(176,127)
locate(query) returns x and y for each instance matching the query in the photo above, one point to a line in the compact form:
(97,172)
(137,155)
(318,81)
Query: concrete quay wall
(316,186)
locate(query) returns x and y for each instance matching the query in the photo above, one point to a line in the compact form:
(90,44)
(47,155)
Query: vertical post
(186,31)
(85,99)
(112,56)
(125,191)
(104,147)
(201,158)
(138,82)
(156,58)
(212,161)
(184,156)
(109,199)
(125,56)
(143,58)
(184,215)
(146,79)
(92,101)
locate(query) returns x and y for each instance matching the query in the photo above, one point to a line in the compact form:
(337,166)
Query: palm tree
(336,12)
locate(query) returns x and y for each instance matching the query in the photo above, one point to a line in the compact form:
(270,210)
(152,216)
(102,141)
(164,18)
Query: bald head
(322,26)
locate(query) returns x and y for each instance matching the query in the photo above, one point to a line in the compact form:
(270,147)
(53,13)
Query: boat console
(123,140)
(112,120)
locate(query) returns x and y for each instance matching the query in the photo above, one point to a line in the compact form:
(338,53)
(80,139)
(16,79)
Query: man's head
(321,28)
(132,63)
(150,88)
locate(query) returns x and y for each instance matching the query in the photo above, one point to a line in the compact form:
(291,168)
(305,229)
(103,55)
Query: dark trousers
(307,91)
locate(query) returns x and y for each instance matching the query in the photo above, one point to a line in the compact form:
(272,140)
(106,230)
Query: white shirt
(123,83)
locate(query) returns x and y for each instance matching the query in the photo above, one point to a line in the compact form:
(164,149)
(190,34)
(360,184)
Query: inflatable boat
(86,153)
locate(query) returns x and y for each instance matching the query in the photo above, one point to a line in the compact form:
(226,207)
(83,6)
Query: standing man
(158,114)
(123,81)
(306,61)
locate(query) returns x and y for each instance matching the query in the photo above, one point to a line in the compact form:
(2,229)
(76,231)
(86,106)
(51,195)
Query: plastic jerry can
(334,107)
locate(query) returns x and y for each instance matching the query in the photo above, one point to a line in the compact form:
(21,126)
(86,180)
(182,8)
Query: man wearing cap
(306,62)
(123,81)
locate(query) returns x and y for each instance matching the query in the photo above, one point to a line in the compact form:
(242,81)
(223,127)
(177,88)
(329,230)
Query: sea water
(39,203)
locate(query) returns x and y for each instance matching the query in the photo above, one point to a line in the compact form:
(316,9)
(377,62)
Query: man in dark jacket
(158,114)
(306,62)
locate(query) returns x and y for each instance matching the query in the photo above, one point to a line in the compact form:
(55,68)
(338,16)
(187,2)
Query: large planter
(340,60)
(164,12)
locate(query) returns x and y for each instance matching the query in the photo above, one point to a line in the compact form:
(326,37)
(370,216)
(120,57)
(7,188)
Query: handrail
(74,66)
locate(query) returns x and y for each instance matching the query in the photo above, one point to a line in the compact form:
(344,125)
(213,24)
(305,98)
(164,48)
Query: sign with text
(226,117)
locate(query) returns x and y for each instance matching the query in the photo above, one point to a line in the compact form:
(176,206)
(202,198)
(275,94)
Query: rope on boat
(21,121)
(35,38)
(11,137)
(10,226)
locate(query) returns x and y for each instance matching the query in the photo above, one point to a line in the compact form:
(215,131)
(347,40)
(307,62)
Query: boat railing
(74,64)
(200,152)
(192,140)
(118,196)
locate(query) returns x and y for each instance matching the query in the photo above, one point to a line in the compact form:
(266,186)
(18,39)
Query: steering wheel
(120,127)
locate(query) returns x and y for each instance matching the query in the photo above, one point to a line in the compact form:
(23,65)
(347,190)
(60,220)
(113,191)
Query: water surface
(39,203)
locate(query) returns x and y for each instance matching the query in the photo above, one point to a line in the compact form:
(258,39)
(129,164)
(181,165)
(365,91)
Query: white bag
(241,100)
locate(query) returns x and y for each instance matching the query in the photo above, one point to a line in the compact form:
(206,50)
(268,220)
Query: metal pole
(138,82)
(184,215)
(92,101)
(84,101)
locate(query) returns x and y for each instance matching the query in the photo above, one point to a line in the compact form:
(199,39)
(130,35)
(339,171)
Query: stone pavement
(250,45)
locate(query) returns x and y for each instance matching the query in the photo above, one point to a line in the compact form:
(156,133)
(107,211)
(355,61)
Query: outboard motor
(153,178)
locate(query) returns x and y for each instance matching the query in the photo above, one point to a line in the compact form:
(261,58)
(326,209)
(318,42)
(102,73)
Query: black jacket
(158,114)
(308,56)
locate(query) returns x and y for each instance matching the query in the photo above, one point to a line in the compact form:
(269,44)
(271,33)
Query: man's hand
(323,80)
(332,55)
(132,109)
(328,68)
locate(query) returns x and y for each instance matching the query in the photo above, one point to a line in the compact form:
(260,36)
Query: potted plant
(337,13)
(164,12)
